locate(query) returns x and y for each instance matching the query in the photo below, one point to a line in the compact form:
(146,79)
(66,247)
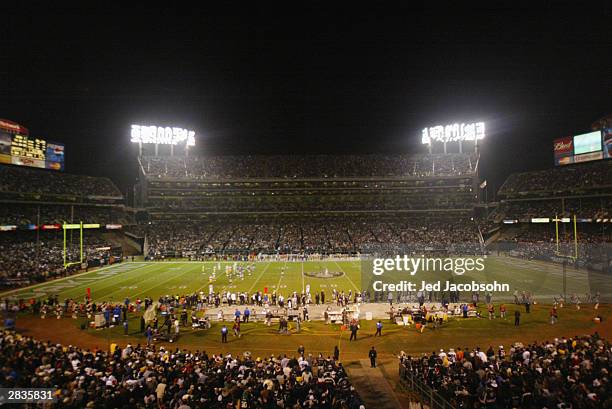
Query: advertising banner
(564,146)
(5,147)
(563,149)
(54,157)
(564,160)
(607,143)
(25,161)
(587,157)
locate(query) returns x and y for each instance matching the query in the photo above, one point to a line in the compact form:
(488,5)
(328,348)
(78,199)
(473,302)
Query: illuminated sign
(162,135)
(453,133)
(588,142)
(607,142)
(12,127)
(72,226)
(563,146)
(17,148)
(91,226)
(51,226)
(24,147)
(587,157)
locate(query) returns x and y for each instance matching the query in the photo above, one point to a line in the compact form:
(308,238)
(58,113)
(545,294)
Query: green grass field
(154,279)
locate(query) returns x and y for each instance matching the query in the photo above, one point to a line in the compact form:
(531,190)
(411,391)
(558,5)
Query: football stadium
(165,272)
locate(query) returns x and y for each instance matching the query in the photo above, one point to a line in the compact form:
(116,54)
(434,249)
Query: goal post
(574,256)
(65,228)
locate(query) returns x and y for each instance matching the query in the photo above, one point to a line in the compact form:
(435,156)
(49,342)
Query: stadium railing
(428,396)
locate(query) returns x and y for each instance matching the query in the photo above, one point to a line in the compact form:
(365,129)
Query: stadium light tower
(160,135)
(453,133)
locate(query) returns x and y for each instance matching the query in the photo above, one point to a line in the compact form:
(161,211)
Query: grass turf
(155,279)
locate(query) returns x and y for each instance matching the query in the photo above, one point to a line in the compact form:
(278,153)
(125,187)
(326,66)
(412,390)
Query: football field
(154,279)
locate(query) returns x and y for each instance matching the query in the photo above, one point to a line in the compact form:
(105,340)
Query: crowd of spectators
(321,237)
(307,166)
(16,179)
(563,373)
(560,179)
(459,198)
(147,377)
(24,260)
(587,207)
(19,214)
(538,241)
(589,233)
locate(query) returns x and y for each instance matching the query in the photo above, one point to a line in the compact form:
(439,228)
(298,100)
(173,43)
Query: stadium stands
(301,166)
(323,237)
(25,260)
(32,213)
(583,191)
(561,373)
(14,179)
(140,377)
(319,204)
(583,207)
(184,187)
(584,178)
(31,198)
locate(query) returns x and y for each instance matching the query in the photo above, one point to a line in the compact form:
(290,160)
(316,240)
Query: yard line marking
(259,278)
(50,282)
(120,278)
(347,277)
(204,285)
(280,278)
(153,276)
(303,288)
(165,281)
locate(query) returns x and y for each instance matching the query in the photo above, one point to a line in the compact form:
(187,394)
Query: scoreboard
(17,148)
(586,147)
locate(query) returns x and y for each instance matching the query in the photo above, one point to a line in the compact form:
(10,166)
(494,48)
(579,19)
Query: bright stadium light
(160,135)
(453,133)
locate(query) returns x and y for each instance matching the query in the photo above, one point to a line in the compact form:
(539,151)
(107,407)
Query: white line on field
(347,277)
(106,296)
(52,282)
(165,281)
(224,273)
(303,288)
(259,278)
(281,277)
(123,275)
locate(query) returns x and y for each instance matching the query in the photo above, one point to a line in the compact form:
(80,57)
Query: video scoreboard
(18,148)
(586,147)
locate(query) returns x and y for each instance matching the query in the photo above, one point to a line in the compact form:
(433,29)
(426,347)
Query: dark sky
(314,80)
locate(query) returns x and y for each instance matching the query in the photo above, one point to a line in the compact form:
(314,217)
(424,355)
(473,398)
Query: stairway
(373,387)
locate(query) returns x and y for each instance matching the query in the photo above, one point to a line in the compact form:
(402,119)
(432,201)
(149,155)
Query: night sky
(317,80)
